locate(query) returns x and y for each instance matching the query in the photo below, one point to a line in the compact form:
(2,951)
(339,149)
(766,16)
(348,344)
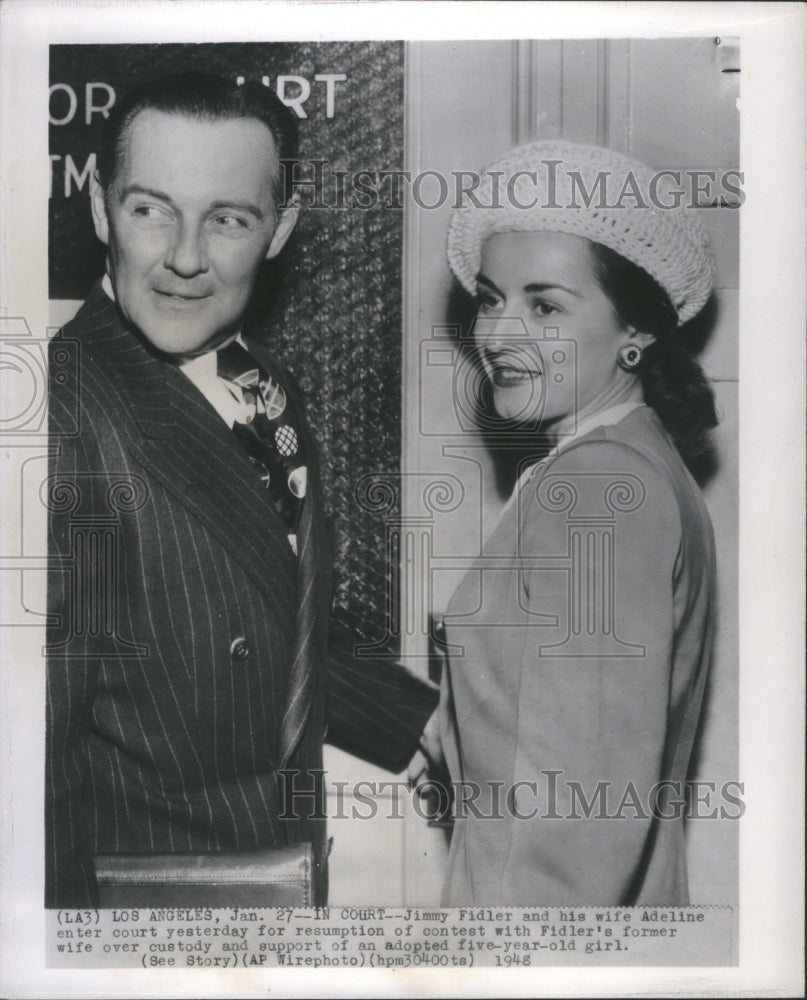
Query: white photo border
(773,39)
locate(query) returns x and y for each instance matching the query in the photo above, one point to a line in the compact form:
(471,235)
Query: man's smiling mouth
(179,297)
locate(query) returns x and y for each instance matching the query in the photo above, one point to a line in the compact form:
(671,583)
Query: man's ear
(98,205)
(287,222)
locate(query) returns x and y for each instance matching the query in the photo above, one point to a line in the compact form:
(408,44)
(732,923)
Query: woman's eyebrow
(482,280)
(545,286)
(532,287)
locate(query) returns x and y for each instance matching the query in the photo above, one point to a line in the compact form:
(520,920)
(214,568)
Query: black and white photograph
(401,577)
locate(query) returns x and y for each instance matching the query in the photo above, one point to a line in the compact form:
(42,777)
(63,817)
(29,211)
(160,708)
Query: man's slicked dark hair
(209,98)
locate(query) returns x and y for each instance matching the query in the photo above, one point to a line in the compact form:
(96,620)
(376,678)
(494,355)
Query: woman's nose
(187,254)
(496,332)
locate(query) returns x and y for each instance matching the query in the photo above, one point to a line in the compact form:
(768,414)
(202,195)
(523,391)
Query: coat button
(239,648)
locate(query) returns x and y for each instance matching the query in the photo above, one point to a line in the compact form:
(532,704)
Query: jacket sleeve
(71,676)
(594,698)
(376,708)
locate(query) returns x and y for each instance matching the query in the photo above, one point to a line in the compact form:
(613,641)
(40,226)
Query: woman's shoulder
(611,471)
(631,468)
(636,443)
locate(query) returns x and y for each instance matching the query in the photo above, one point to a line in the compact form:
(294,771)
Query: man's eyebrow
(216,206)
(534,286)
(241,206)
(140,189)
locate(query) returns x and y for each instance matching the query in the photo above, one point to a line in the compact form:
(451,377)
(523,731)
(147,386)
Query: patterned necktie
(269,432)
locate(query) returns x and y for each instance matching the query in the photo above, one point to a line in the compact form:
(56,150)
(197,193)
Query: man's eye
(230,222)
(149,213)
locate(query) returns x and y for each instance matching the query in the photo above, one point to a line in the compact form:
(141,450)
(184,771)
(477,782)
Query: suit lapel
(186,446)
(204,469)
(313,584)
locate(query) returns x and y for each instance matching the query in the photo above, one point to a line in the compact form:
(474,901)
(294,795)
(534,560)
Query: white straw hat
(593,192)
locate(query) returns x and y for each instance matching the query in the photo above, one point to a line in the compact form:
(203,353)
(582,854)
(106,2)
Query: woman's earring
(629,357)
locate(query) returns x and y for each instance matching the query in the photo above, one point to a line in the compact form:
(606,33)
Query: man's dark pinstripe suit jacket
(165,733)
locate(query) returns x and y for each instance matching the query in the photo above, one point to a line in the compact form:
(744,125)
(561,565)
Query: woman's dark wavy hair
(205,97)
(673,382)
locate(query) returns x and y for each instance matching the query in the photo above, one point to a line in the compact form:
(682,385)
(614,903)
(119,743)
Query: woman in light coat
(579,643)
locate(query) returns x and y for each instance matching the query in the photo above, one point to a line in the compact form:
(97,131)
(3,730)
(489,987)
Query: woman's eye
(545,308)
(486,301)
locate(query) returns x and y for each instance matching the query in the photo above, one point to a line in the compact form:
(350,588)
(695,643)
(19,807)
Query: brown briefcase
(282,876)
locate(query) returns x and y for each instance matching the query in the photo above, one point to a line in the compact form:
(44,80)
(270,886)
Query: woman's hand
(428,762)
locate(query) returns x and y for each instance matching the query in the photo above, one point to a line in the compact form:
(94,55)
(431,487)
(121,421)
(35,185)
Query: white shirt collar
(225,397)
(203,372)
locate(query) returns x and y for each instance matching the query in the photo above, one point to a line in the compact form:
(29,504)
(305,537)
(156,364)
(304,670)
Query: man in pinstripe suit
(189,656)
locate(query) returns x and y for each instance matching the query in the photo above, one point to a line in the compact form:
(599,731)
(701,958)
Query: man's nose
(187,253)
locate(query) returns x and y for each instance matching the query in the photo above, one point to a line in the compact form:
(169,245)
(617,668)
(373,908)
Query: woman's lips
(507,374)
